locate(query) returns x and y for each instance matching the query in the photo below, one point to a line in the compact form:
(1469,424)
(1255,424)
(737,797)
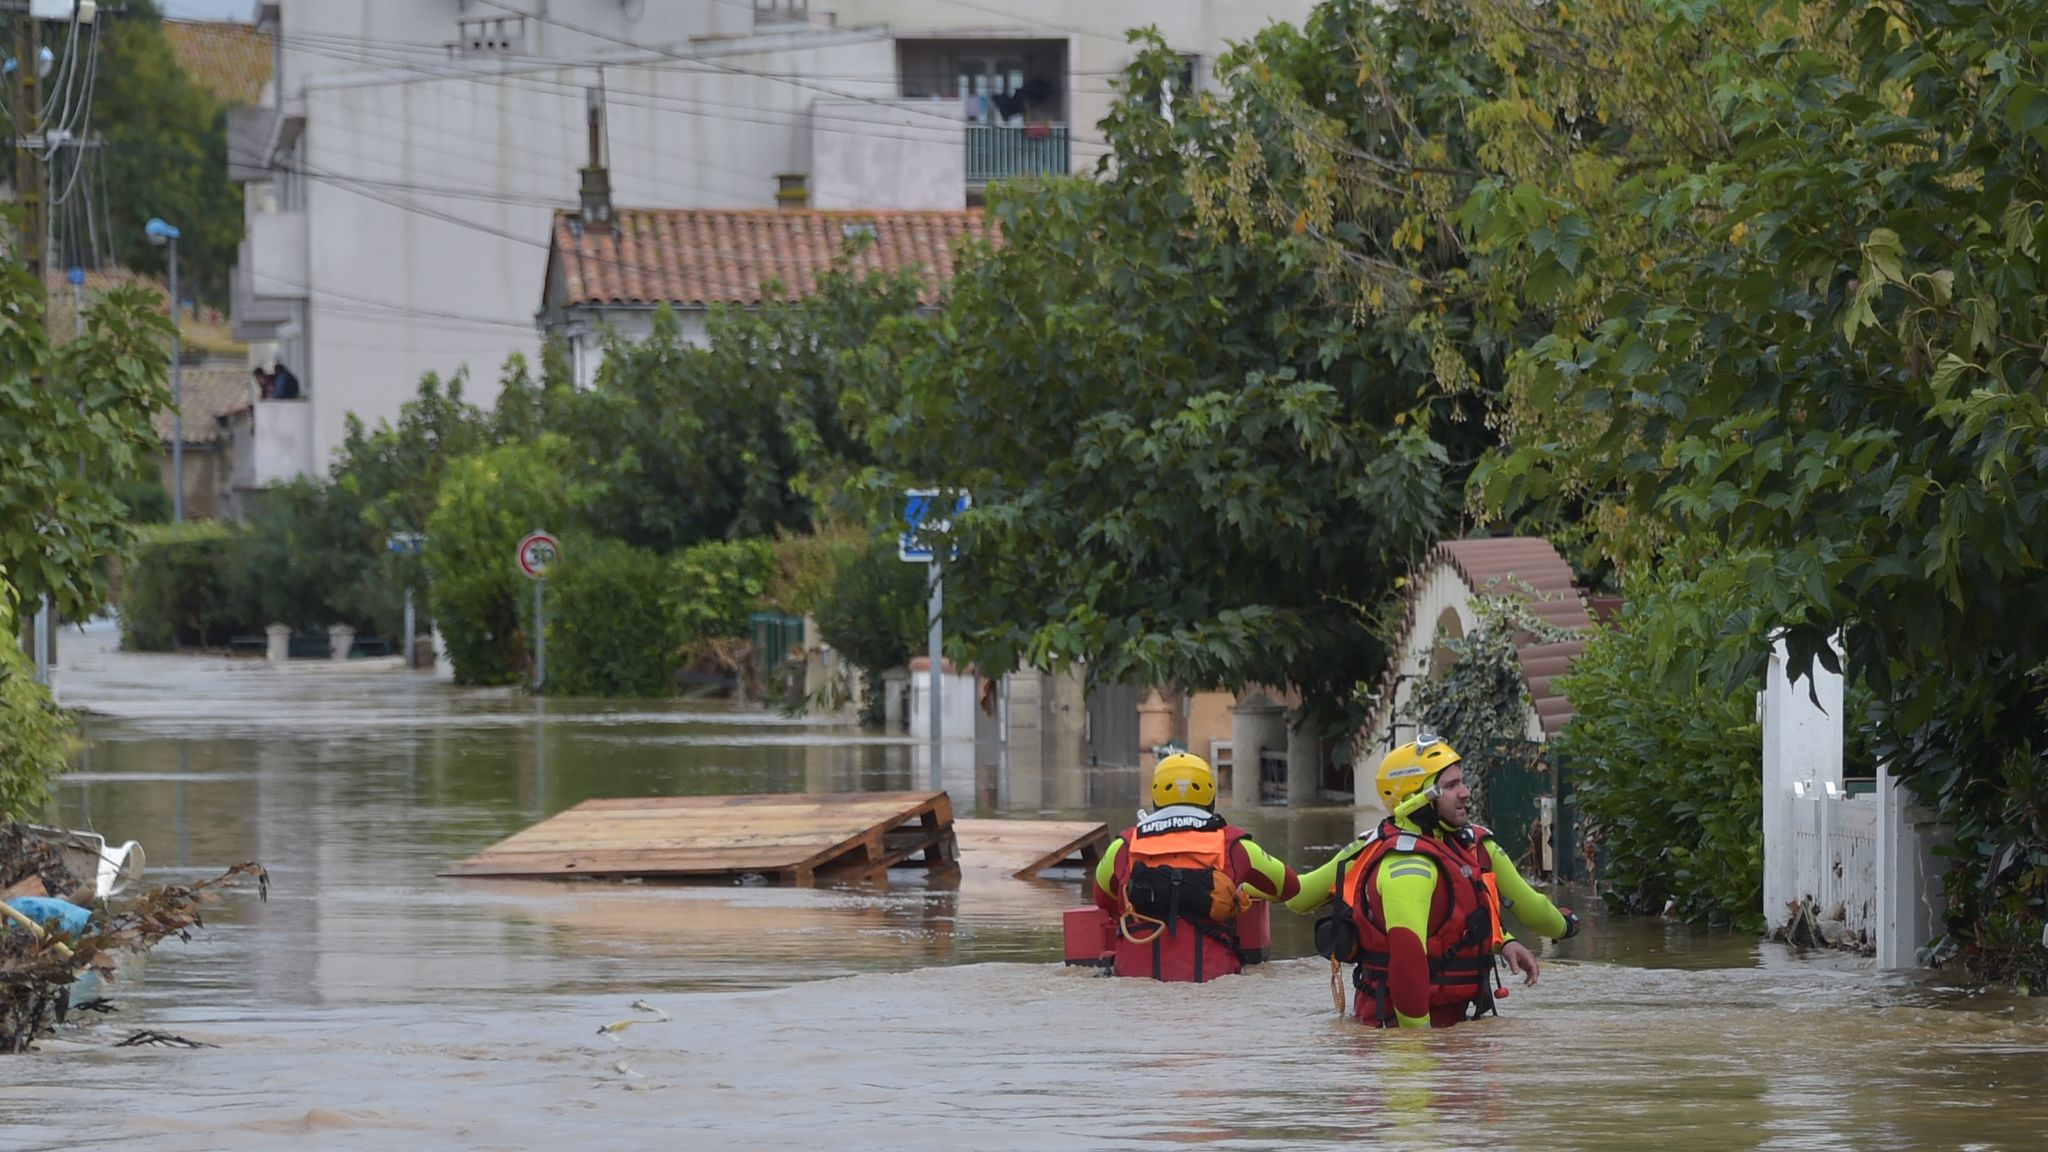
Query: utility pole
(30,237)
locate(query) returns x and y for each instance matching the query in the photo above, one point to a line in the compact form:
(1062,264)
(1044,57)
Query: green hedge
(183,588)
(610,631)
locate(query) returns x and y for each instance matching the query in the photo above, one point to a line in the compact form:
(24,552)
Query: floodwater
(370,1004)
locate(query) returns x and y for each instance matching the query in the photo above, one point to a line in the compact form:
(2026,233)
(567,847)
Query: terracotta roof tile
(233,61)
(212,389)
(697,257)
(1526,568)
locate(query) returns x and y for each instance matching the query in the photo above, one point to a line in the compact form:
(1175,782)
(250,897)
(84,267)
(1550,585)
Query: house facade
(404,165)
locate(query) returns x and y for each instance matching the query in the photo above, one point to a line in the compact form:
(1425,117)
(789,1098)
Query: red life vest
(1464,919)
(1178,950)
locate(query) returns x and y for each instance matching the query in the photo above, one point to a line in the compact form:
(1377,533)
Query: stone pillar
(896,700)
(1256,722)
(444,661)
(1065,698)
(1802,743)
(340,638)
(1024,742)
(277,642)
(1304,761)
(1158,708)
(1909,874)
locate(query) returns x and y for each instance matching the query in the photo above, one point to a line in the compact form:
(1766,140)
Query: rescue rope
(1123,927)
(1337,984)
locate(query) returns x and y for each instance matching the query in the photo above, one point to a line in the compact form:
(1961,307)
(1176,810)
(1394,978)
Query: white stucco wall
(429,183)
(864,155)
(432,197)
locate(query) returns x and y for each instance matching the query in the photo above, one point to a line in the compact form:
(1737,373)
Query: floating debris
(37,966)
(154,1039)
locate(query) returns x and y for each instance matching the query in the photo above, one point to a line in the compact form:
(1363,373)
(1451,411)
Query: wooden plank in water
(792,839)
(1024,848)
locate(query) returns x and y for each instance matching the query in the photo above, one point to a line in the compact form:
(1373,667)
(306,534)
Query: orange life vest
(1191,949)
(1464,918)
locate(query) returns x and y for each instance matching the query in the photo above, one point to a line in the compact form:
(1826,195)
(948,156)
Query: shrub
(609,629)
(804,567)
(487,502)
(874,614)
(715,588)
(181,589)
(35,736)
(1666,751)
(308,559)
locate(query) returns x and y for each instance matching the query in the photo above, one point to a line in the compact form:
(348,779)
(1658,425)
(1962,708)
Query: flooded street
(370,1003)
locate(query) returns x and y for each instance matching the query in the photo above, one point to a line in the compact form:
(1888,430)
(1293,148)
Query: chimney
(597,179)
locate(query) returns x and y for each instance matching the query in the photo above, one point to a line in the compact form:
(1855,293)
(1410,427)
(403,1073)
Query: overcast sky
(210,9)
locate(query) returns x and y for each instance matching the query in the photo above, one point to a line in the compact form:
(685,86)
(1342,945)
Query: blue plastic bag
(60,917)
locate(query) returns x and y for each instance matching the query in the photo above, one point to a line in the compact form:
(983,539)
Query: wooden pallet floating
(1026,848)
(799,840)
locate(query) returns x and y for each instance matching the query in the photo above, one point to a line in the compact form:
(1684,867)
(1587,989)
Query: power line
(733,69)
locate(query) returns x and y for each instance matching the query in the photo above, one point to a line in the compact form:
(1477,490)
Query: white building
(403,170)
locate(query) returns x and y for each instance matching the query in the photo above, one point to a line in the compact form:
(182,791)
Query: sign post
(407,544)
(537,553)
(925,516)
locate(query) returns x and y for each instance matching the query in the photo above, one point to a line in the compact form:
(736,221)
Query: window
(782,11)
(1185,79)
(489,36)
(1001,82)
(792,190)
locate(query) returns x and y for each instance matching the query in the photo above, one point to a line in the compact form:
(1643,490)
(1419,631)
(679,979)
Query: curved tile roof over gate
(1527,568)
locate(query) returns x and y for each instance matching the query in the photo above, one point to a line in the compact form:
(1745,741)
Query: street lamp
(162,233)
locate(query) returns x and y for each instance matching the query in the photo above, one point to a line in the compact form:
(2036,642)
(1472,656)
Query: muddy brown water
(370,1004)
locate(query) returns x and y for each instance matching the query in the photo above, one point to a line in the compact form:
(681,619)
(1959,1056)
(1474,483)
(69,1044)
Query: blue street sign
(925,515)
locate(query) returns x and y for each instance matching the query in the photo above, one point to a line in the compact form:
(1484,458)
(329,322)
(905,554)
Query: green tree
(487,502)
(743,437)
(874,613)
(166,155)
(74,419)
(1187,465)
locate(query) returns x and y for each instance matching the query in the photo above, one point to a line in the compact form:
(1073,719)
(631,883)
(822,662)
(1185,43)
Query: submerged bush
(609,629)
(1666,751)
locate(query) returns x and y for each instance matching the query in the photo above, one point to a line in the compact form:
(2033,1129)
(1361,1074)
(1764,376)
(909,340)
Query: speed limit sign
(537,552)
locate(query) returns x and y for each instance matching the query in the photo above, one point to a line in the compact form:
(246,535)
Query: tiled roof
(1525,568)
(230,60)
(212,389)
(695,257)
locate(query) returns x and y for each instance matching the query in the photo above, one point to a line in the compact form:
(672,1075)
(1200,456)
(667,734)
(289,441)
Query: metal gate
(1113,725)
(1513,785)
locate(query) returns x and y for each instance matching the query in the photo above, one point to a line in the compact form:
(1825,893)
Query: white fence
(1865,865)
(1834,856)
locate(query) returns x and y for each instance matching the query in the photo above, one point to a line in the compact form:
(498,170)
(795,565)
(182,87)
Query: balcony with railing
(999,152)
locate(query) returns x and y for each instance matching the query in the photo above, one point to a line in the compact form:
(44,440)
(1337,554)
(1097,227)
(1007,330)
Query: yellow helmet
(1184,778)
(1410,768)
